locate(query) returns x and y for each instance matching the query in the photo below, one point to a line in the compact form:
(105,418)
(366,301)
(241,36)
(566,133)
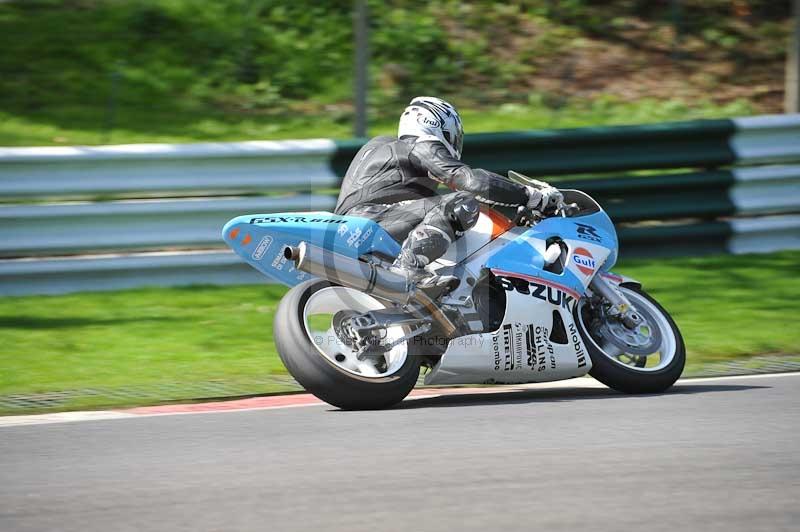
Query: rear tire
(635,377)
(323,377)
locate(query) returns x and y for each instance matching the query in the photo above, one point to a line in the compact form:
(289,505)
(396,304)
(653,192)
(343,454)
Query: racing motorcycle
(536,302)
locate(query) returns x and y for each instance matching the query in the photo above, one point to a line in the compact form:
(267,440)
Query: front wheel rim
(666,351)
(327,302)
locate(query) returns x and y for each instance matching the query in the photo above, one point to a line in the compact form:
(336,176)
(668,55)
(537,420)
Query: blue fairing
(520,256)
(260,239)
(605,228)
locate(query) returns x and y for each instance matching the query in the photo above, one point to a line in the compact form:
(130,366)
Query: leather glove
(542,200)
(551,199)
(548,197)
(530,212)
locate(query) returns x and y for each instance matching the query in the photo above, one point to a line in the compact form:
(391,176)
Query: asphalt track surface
(715,454)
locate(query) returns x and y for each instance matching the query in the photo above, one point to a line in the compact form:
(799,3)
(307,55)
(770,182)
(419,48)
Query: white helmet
(430,118)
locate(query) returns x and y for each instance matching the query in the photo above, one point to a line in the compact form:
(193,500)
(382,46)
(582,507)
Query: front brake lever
(568,210)
(527,218)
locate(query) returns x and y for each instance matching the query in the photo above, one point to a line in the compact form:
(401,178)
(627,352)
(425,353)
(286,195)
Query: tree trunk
(361,33)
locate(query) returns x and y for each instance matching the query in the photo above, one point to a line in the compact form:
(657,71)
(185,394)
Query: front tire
(632,373)
(324,365)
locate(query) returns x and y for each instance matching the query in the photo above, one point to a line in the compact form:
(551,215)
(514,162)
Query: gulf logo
(584,261)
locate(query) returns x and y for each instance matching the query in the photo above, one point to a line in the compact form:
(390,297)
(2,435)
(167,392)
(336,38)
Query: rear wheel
(647,360)
(311,349)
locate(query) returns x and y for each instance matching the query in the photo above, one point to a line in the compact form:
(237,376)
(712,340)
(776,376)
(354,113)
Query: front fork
(621,307)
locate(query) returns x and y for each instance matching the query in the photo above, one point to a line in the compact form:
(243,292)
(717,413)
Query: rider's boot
(423,246)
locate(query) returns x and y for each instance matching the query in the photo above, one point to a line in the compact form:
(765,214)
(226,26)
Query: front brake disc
(643,339)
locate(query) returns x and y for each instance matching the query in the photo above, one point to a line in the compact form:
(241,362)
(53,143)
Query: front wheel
(618,361)
(310,348)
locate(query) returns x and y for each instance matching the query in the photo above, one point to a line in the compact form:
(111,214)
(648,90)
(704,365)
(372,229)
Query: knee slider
(462,212)
(425,244)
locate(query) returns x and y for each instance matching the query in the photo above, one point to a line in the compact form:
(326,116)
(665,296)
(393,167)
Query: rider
(393,181)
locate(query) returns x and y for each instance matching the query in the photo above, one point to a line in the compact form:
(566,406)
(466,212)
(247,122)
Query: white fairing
(585,259)
(520,350)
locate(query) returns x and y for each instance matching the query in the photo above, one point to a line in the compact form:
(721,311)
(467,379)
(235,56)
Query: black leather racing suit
(393,182)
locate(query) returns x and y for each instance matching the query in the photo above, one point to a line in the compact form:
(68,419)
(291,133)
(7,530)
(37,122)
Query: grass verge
(726,306)
(85,125)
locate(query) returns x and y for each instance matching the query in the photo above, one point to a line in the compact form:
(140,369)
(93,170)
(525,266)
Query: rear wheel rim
(665,353)
(320,332)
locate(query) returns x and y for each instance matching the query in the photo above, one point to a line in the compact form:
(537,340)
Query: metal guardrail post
(792,99)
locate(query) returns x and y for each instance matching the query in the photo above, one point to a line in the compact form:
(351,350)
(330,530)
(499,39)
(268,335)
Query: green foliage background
(73,70)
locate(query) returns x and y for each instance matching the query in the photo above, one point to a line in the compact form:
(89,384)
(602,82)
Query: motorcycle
(537,302)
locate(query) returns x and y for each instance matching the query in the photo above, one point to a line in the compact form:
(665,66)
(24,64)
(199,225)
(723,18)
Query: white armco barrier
(128,225)
(142,168)
(50,241)
(766,189)
(767,139)
(766,234)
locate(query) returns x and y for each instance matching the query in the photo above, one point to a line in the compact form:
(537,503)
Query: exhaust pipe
(365,277)
(350,272)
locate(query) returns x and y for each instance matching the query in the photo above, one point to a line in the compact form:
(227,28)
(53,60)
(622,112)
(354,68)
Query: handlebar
(562,209)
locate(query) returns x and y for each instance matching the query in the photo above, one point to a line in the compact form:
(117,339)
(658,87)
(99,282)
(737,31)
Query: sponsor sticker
(496,352)
(365,236)
(577,345)
(295,220)
(428,122)
(355,234)
(584,261)
(262,247)
(510,346)
(551,294)
(541,355)
(279,261)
